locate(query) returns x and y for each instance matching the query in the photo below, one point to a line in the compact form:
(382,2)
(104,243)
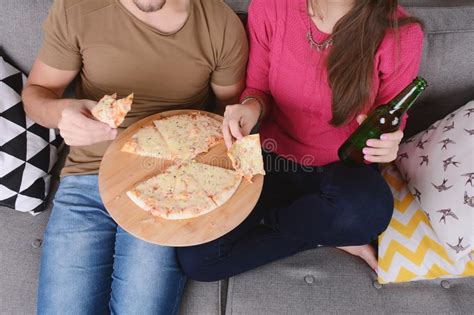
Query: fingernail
(383,137)
(369,143)
(365,151)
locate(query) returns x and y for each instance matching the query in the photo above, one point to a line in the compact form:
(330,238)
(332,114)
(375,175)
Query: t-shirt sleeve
(232,52)
(60,49)
(399,62)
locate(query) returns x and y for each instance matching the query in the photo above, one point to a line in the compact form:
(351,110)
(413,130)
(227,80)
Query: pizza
(160,187)
(148,141)
(209,128)
(189,189)
(189,135)
(246,156)
(219,183)
(111,111)
(183,192)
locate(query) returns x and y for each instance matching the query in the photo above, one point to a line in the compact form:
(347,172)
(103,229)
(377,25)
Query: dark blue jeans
(301,208)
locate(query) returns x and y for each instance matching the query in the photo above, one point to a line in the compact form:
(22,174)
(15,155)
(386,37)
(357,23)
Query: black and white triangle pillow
(28,151)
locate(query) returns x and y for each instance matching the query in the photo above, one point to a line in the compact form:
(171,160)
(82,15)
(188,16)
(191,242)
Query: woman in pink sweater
(316,68)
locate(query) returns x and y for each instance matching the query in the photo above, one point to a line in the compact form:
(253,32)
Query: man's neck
(169,19)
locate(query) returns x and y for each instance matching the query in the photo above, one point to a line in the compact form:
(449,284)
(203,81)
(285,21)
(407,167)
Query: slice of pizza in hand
(246,157)
(112,111)
(148,141)
(219,183)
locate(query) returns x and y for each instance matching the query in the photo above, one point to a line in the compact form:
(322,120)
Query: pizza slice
(148,141)
(209,128)
(219,183)
(149,193)
(246,157)
(173,195)
(182,136)
(189,200)
(111,111)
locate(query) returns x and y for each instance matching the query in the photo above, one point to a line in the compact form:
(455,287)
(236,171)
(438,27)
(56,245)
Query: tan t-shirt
(117,52)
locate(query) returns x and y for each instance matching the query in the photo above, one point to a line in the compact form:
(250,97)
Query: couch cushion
(447,63)
(326,281)
(20,235)
(21,34)
(202,298)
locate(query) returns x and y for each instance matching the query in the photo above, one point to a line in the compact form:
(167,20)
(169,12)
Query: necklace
(309,35)
(316,45)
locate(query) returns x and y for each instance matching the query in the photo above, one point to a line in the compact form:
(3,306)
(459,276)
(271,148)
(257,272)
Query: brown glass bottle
(384,119)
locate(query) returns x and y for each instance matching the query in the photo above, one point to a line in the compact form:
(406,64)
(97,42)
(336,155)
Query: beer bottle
(383,119)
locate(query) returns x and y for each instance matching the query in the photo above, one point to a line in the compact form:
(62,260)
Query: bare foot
(366,252)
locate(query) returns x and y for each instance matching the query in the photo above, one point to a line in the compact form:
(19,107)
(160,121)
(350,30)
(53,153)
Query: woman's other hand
(383,150)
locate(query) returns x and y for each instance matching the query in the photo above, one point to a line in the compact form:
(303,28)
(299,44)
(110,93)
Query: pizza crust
(139,202)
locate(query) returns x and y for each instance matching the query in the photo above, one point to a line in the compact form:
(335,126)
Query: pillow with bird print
(438,165)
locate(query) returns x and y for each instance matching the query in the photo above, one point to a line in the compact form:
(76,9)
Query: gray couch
(319,281)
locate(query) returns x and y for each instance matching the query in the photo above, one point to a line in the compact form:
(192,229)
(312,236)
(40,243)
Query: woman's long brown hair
(350,63)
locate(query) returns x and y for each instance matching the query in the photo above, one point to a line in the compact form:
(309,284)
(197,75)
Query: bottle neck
(403,101)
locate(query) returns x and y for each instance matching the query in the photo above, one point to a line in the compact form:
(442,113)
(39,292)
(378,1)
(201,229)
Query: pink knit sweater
(292,79)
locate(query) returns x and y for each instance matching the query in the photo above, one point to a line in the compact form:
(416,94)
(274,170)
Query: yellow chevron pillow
(409,250)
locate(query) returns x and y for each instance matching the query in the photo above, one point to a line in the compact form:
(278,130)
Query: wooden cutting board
(120,172)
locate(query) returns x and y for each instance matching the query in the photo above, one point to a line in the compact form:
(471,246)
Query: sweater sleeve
(260,31)
(399,62)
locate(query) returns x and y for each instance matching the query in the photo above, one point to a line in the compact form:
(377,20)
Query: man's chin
(149,6)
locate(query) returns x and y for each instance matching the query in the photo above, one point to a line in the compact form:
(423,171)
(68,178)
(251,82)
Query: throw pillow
(409,249)
(438,165)
(28,151)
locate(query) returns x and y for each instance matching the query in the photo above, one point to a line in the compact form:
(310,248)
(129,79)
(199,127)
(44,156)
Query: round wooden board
(120,172)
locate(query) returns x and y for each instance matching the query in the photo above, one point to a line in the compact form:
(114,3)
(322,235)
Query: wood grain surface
(120,172)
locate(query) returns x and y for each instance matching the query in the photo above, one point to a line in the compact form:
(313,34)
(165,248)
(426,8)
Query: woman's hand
(239,120)
(383,150)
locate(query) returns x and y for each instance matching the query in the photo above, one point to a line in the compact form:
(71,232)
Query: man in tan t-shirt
(172,54)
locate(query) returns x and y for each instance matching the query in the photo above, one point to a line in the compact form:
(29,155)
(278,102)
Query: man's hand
(383,150)
(239,120)
(79,128)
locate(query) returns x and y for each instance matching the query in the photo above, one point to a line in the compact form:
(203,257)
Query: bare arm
(227,94)
(43,92)
(43,104)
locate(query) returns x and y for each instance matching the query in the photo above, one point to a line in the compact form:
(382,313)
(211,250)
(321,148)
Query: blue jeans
(89,265)
(302,208)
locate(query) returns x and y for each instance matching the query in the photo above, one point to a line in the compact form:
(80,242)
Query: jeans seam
(178,300)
